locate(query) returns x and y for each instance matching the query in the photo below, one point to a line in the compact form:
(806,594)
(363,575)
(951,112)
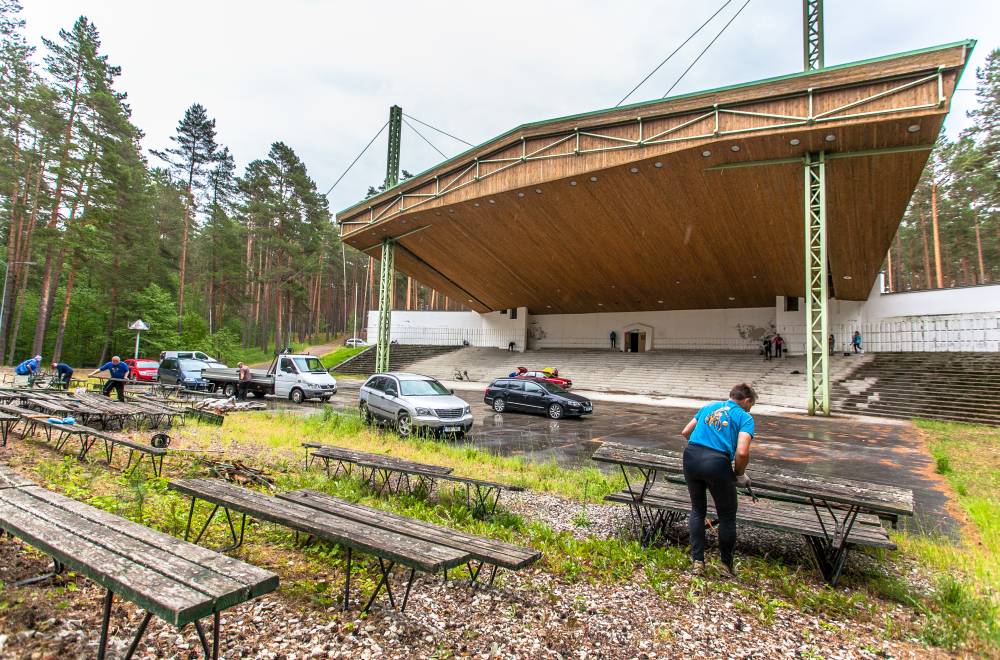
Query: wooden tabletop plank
(869,496)
(402,549)
(9,478)
(223,589)
(500,553)
(371,459)
(168,599)
(258,580)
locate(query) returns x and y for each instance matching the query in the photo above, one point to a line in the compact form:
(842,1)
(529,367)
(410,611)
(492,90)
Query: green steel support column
(812,34)
(388,251)
(384,305)
(395,137)
(817,328)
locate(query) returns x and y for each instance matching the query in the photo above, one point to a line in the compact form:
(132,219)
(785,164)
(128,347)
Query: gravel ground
(528,614)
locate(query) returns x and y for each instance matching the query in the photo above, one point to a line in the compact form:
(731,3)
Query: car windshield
(193,365)
(309,365)
(423,388)
(147,364)
(551,388)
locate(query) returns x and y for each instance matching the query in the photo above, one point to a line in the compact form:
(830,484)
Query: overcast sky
(321,76)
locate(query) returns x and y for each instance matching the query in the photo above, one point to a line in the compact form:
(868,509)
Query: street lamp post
(6,274)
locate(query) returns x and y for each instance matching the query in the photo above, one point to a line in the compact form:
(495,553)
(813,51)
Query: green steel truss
(812,34)
(817,327)
(395,137)
(384,305)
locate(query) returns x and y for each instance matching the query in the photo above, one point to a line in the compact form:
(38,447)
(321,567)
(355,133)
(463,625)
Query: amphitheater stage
(885,451)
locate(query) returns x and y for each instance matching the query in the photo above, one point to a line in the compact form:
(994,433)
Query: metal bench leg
(138,635)
(473,574)
(202,532)
(102,645)
(214,652)
(493,574)
(409,583)
(157,465)
(57,569)
(347,581)
(384,582)
(237,542)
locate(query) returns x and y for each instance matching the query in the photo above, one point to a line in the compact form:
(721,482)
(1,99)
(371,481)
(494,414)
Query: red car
(142,369)
(564,383)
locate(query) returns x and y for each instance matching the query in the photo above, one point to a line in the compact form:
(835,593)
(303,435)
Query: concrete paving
(867,449)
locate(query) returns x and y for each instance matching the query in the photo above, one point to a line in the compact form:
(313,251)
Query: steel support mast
(816,277)
(812,34)
(387,258)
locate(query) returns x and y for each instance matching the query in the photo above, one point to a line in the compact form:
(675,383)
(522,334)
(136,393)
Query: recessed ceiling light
(548,307)
(493,201)
(476,204)
(538,191)
(913,128)
(600,304)
(660,301)
(755,277)
(657,164)
(633,170)
(572,183)
(470,299)
(520,194)
(735,147)
(437,212)
(451,210)
(732,298)
(593,179)
(830,138)
(847,277)
(404,222)
(677,282)
(794,142)
(706,153)
(612,286)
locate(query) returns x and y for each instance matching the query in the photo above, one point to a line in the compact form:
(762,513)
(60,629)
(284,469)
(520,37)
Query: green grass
(341,354)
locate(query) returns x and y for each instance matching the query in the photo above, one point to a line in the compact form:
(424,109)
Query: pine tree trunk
(183,260)
(888,270)
(927,255)
(937,236)
(61,333)
(979,254)
(112,312)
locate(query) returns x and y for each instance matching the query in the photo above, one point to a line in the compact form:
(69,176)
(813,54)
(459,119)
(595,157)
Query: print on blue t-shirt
(719,425)
(119,370)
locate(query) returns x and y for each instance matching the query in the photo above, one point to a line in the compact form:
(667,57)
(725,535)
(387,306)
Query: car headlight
(574,404)
(425,412)
(467,410)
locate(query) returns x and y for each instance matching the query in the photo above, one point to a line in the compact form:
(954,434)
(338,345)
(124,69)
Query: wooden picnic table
(7,422)
(835,503)
(177,581)
(389,547)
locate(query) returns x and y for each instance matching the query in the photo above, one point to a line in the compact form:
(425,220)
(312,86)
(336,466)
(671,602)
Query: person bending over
(716,459)
(118,371)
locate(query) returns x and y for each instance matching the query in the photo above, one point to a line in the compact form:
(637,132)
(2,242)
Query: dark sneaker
(698,568)
(729,570)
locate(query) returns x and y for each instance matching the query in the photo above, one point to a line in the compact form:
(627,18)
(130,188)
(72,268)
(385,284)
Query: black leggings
(707,468)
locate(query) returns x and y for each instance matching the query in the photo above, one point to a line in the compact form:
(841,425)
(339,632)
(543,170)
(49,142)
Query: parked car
(191,355)
(296,377)
(413,403)
(142,369)
(535,396)
(564,383)
(185,372)
(355,341)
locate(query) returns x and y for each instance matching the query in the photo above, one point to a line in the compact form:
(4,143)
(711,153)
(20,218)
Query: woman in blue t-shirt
(716,459)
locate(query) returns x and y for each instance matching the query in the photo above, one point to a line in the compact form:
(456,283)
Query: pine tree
(192,154)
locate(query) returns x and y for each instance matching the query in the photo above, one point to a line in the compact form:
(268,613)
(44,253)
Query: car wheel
(499,404)
(555,411)
(297,396)
(366,415)
(404,425)
(229,389)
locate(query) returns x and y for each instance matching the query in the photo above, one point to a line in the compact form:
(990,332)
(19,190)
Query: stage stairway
(961,387)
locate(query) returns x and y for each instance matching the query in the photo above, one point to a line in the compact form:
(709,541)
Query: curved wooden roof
(692,202)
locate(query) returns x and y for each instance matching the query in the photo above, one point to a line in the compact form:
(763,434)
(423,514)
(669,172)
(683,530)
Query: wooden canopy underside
(669,223)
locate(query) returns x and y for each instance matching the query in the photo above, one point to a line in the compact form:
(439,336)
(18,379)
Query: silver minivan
(411,403)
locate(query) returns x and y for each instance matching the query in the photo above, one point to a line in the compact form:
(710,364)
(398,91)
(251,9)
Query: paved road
(850,447)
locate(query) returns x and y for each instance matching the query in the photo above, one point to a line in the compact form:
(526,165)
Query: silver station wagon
(413,403)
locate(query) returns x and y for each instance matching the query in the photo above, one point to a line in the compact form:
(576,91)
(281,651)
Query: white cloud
(322,75)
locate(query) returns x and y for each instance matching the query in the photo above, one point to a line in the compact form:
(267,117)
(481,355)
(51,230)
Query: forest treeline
(99,233)
(950,235)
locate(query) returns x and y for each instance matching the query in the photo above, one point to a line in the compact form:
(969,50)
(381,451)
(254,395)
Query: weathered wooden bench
(390,548)
(836,505)
(345,459)
(7,423)
(63,434)
(486,552)
(177,581)
(112,441)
